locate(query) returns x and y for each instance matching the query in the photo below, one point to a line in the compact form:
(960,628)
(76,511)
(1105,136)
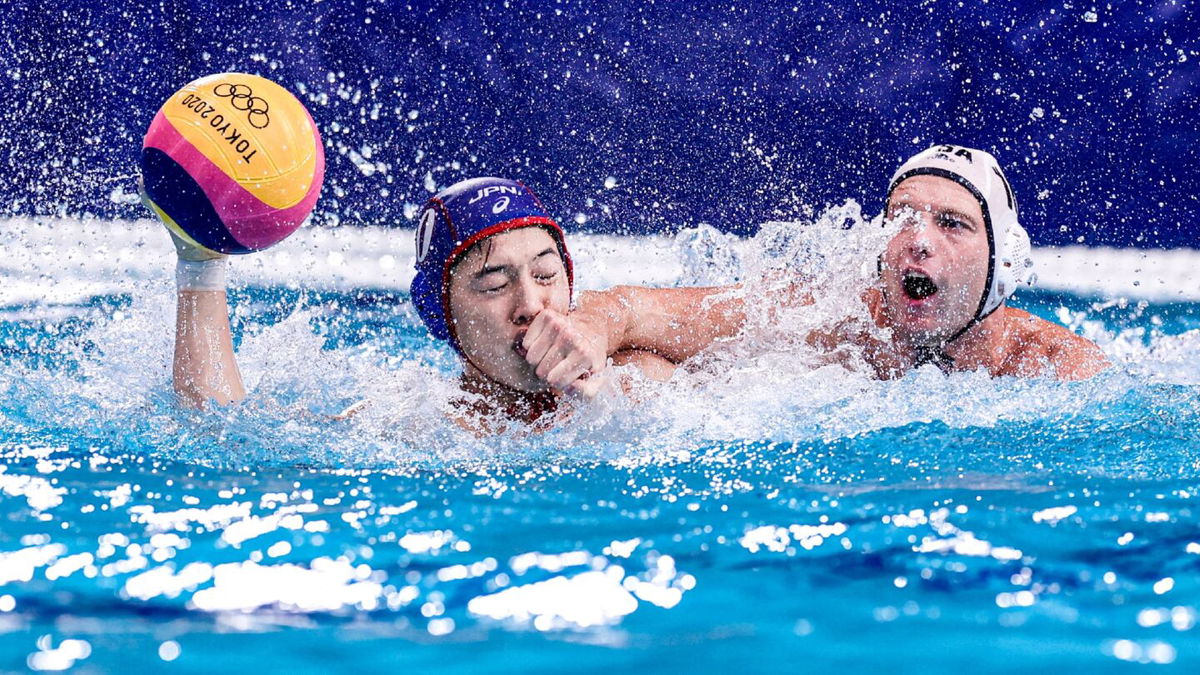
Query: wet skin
(942,240)
(941,248)
(497,289)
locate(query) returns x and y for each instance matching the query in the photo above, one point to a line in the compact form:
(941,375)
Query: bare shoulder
(1038,343)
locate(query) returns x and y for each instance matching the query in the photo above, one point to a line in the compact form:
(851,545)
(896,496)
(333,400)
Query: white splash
(770,384)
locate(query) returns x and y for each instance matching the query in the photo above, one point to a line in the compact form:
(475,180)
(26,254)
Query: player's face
(935,268)
(496,290)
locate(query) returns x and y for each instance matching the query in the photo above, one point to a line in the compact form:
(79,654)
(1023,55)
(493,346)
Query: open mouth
(518,347)
(918,286)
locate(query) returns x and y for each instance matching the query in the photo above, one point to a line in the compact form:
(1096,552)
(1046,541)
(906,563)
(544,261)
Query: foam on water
(111,377)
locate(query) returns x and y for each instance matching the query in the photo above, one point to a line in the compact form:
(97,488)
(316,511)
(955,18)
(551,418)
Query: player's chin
(919,328)
(522,377)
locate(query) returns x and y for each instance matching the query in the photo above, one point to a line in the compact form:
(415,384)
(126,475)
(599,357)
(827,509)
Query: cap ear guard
(1014,267)
(427,297)
(434,240)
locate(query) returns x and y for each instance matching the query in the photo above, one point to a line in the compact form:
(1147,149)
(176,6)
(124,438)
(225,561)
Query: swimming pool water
(930,524)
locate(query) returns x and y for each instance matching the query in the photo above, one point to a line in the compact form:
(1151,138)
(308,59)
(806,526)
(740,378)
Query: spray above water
(793,375)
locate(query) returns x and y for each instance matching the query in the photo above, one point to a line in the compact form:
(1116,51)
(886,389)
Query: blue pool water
(753,516)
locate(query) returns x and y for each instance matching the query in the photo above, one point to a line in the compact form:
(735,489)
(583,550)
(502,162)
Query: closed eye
(492,283)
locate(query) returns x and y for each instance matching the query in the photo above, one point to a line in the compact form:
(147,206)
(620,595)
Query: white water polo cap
(1010,264)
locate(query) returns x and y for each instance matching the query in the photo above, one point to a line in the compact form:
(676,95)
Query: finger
(575,347)
(534,332)
(587,387)
(540,337)
(566,372)
(564,349)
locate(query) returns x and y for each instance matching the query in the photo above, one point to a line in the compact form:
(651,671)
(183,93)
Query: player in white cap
(943,282)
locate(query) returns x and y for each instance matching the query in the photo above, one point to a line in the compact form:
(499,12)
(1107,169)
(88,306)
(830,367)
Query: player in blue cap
(495,279)
(944,279)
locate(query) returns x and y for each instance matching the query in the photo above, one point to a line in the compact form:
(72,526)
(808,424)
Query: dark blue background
(728,113)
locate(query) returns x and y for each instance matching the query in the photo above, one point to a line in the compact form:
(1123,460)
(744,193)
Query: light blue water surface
(988,525)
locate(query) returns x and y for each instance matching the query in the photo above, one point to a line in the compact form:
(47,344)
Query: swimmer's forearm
(675,323)
(204,367)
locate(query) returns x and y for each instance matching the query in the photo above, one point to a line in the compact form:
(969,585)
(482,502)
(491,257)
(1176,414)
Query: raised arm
(204,368)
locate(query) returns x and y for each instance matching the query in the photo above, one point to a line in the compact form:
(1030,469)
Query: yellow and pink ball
(232,163)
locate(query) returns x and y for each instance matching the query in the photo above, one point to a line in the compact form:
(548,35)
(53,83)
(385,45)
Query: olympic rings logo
(242,97)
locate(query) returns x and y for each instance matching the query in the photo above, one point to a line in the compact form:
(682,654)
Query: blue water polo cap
(456,219)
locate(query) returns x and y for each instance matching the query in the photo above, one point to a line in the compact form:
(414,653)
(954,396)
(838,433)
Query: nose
(530,301)
(921,238)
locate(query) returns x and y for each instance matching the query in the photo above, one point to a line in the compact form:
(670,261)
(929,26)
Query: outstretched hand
(566,354)
(187,251)
(184,249)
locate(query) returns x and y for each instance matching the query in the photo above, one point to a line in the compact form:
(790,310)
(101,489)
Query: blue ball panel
(180,196)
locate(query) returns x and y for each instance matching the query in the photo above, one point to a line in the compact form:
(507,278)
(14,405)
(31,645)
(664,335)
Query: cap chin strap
(936,354)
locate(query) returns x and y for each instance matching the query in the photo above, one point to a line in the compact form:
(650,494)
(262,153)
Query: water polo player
(495,279)
(943,281)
